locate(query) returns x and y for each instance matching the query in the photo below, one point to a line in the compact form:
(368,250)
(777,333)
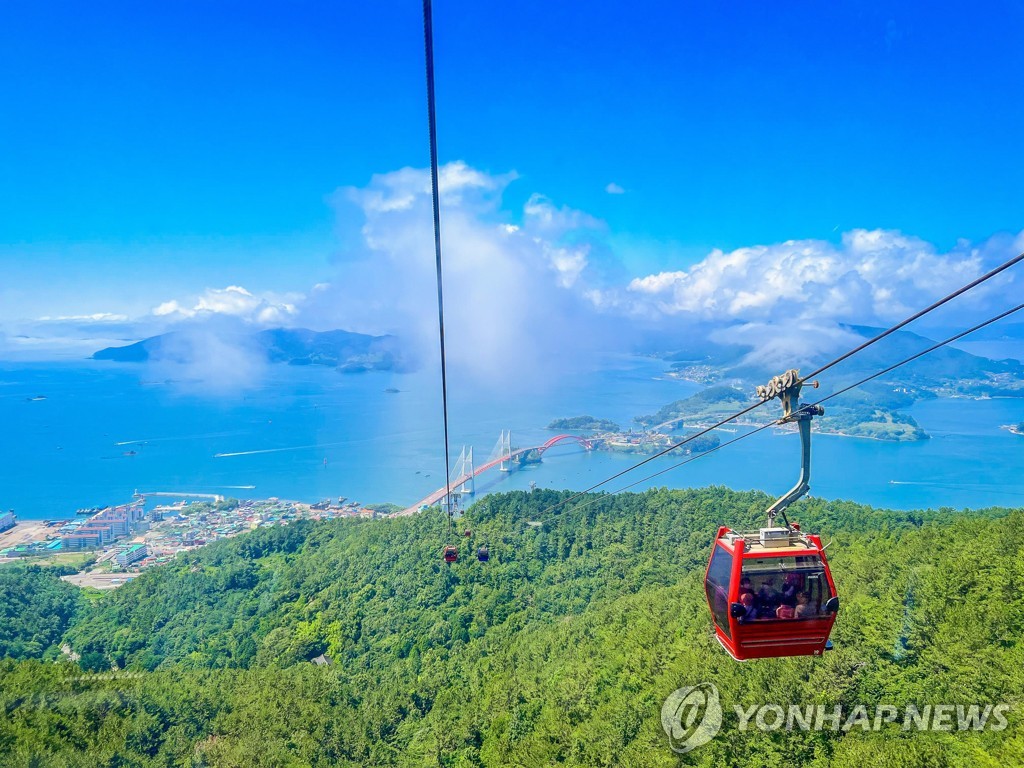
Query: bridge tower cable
(466,471)
(498,446)
(428,45)
(505,451)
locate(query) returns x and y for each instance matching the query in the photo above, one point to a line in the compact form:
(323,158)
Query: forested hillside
(36,608)
(559,651)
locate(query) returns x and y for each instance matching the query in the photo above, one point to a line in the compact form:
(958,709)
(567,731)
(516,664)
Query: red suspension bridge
(504,457)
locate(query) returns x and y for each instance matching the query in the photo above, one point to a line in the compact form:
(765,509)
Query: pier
(168,494)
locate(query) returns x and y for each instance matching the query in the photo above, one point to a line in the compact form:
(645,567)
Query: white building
(133,554)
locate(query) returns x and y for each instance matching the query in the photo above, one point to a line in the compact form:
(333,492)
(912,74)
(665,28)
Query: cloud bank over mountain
(871,276)
(515,293)
(788,301)
(538,291)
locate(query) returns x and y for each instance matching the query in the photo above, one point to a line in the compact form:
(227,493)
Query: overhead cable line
(842,391)
(860,348)
(428,44)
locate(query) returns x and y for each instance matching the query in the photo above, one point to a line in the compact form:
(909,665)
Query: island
(876,409)
(709,405)
(344,351)
(871,412)
(654,442)
(584,423)
(874,423)
(606,435)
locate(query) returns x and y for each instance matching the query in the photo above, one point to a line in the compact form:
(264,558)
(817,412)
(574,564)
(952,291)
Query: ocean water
(105,430)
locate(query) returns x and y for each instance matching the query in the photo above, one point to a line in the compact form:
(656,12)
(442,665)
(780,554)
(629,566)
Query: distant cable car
(770,591)
(469,533)
(483,554)
(451,554)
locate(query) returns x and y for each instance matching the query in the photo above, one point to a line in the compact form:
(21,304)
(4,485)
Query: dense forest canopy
(560,650)
(36,608)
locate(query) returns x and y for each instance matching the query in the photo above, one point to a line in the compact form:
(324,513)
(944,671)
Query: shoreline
(782,429)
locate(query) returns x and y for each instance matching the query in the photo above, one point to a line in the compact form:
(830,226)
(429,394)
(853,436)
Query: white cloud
(210,354)
(515,299)
(542,216)
(96,317)
(568,263)
(233,301)
(796,344)
(400,190)
(789,301)
(872,276)
(614,189)
(170,308)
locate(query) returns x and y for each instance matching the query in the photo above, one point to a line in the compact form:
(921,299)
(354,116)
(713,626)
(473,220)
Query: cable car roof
(788,542)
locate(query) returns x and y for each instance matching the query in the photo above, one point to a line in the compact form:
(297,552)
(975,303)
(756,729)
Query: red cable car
(451,554)
(770,591)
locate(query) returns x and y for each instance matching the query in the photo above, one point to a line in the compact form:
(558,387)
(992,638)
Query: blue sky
(152,153)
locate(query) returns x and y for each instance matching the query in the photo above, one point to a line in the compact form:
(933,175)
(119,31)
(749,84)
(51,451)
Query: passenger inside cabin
(745,587)
(804,609)
(790,587)
(768,596)
(750,611)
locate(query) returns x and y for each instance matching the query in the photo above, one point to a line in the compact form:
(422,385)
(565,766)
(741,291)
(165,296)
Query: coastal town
(109,546)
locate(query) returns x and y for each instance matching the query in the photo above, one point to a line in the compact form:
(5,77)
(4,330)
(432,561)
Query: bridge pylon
(465,467)
(505,451)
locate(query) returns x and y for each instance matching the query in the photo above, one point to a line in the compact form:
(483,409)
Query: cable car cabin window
(717,587)
(784,588)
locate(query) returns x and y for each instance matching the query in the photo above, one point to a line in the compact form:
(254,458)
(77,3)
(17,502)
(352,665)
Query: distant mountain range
(346,351)
(876,409)
(946,371)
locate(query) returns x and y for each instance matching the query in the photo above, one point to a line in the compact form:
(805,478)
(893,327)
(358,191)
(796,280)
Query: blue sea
(101,431)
